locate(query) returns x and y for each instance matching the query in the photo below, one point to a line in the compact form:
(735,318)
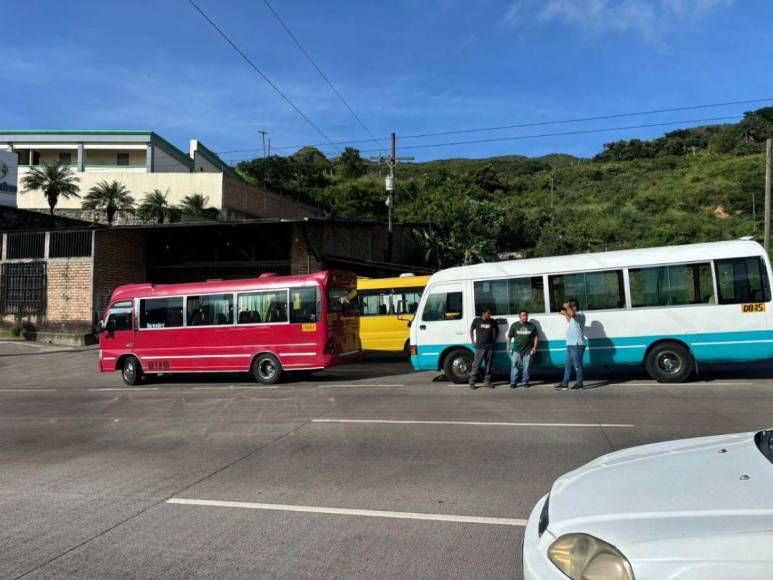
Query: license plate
(749,308)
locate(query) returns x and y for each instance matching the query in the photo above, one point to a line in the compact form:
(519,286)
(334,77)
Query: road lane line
(234,387)
(351,512)
(358,385)
(126,389)
(475,423)
(669,385)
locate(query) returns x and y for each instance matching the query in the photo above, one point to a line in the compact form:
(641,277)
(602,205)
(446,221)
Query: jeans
(485,356)
(574,354)
(520,362)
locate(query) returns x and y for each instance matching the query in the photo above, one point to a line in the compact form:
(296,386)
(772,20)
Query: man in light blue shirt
(575,346)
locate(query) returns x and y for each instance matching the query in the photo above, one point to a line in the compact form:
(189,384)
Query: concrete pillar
(3,246)
(81,157)
(47,245)
(149,158)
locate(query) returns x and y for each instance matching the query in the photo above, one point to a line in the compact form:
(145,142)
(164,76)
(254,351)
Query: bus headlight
(583,557)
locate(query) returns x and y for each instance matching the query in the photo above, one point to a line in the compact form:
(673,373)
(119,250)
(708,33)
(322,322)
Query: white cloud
(650,19)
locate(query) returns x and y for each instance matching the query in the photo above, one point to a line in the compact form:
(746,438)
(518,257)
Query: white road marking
(351,512)
(126,389)
(669,385)
(359,385)
(474,423)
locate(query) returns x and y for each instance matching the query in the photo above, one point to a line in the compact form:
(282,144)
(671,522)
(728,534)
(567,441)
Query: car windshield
(764,440)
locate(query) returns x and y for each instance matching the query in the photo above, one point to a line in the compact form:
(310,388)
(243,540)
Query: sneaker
(561,387)
(514,386)
(489,385)
(473,386)
(524,385)
(578,387)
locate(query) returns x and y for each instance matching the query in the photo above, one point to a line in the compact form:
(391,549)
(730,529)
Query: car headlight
(583,557)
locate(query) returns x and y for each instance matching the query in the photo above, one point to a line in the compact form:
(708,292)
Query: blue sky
(408,66)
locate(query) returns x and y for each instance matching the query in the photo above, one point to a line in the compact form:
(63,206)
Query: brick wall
(302,243)
(69,291)
(258,202)
(119,259)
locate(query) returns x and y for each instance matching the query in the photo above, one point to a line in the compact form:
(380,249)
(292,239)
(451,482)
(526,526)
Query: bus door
(117,336)
(440,324)
(343,320)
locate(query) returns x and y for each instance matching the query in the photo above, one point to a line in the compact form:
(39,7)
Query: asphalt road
(369,470)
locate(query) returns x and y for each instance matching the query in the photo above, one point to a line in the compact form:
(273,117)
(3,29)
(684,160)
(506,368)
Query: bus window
(161,312)
(119,316)
(304,305)
(210,310)
(593,290)
(342,300)
(671,285)
(510,296)
(389,302)
(262,307)
(742,280)
(443,306)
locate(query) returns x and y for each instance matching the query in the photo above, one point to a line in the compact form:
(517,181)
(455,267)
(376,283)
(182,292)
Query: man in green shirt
(523,334)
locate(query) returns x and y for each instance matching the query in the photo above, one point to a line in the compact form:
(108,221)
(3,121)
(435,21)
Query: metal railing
(70,244)
(26,245)
(23,288)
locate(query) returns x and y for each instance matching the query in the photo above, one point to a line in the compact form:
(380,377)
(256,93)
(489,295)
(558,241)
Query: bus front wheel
(266,369)
(131,372)
(669,362)
(457,365)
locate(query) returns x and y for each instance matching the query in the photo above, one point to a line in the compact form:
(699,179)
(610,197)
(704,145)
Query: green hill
(691,185)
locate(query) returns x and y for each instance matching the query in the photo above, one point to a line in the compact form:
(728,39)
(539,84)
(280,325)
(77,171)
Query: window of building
(122,159)
(26,245)
(592,290)
(262,307)
(23,288)
(161,312)
(392,301)
(304,305)
(210,310)
(742,280)
(119,316)
(671,285)
(65,158)
(69,244)
(510,296)
(443,306)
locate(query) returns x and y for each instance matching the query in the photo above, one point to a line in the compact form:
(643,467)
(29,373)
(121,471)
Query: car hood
(679,489)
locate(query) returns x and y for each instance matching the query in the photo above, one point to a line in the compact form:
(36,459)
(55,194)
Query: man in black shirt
(483,334)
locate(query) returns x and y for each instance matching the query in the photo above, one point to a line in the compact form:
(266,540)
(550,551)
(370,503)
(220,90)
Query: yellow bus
(387,305)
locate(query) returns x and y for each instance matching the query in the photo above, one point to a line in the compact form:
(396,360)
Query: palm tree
(155,206)
(53,180)
(110,197)
(196,205)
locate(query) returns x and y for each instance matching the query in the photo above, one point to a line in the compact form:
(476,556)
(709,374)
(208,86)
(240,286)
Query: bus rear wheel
(266,369)
(131,372)
(457,365)
(669,362)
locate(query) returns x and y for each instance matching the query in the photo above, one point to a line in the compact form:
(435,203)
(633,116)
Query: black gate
(23,288)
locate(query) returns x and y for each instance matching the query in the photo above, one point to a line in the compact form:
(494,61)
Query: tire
(457,365)
(266,369)
(131,372)
(669,362)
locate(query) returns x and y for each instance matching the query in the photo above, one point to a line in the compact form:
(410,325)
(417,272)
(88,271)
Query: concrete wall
(256,201)
(178,184)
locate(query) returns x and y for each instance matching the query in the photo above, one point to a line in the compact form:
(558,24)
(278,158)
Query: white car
(689,509)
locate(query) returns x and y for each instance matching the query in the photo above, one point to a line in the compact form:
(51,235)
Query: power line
(262,75)
(327,80)
(532,124)
(557,134)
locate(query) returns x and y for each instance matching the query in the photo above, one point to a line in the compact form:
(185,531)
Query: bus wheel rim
(669,362)
(266,369)
(461,366)
(128,371)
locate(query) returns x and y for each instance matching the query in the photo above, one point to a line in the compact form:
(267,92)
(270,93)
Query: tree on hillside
(110,197)
(488,179)
(350,164)
(156,207)
(54,181)
(196,205)
(274,173)
(311,168)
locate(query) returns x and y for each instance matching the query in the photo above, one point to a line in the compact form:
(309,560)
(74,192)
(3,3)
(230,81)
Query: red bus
(265,326)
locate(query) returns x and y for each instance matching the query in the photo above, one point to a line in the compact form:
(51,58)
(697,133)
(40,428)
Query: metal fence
(26,245)
(23,288)
(70,244)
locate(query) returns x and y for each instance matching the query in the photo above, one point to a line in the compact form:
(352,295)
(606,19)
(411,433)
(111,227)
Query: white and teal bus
(670,309)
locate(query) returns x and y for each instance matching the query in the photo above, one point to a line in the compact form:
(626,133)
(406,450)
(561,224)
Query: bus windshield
(342,299)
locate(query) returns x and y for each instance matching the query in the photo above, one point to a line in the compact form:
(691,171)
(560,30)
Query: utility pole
(269,146)
(391,162)
(263,135)
(767,193)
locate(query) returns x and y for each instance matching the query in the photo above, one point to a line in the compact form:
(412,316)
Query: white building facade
(8,178)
